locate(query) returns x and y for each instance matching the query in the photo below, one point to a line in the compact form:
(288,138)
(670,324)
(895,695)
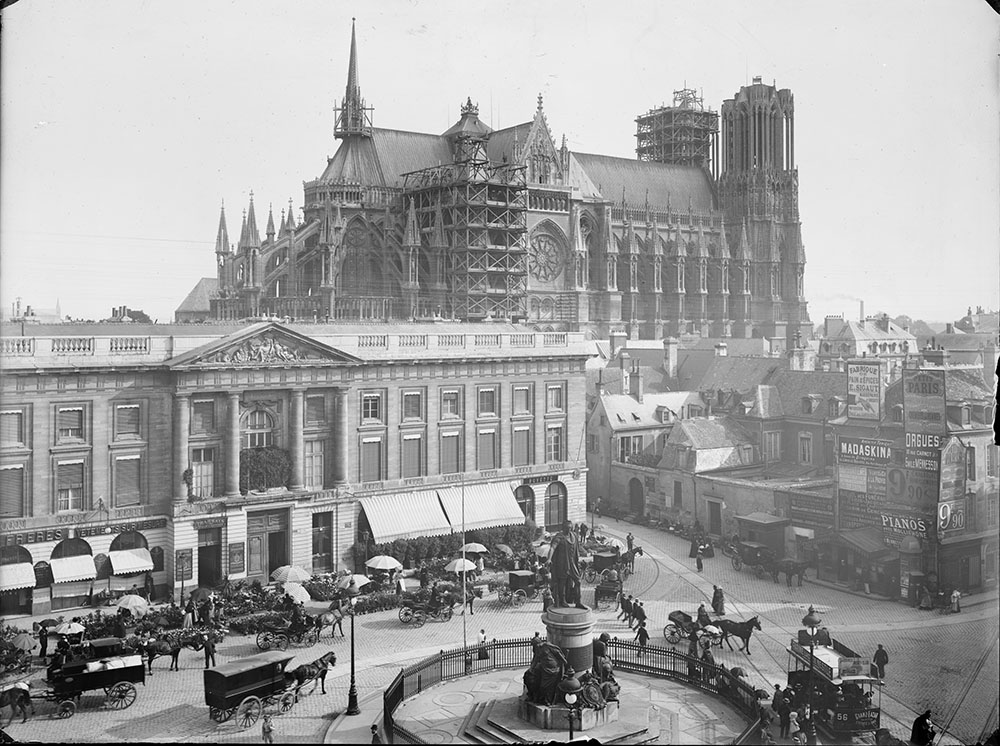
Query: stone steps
(488,729)
(633,739)
(506,734)
(467,730)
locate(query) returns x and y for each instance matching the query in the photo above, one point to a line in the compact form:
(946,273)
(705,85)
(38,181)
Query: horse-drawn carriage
(759,557)
(681,625)
(303,632)
(245,687)
(423,604)
(519,588)
(602,564)
(607,591)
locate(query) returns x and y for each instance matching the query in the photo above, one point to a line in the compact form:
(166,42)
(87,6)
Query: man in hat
(564,559)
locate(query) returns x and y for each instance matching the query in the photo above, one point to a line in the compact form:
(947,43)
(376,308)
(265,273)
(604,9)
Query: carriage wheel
(405,614)
(504,596)
(281,642)
(122,695)
(737,562)
(311,637)
(590,575)
(672,634)
(519,599)
(220,715)
(66,709)
(264,640)
(286,702)
(447,613)
(419,618)
(248,712)
(307,688)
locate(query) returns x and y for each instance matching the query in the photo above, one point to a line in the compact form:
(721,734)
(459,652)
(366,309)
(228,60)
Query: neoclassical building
(135,454)
(698,235)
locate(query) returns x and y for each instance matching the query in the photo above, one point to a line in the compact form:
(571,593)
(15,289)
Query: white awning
(71,590)
(486,505)
(125,561)
(805,533)
(15,577)
(71,569)
(407,514)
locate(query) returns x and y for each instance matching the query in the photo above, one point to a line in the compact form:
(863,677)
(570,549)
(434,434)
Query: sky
(125,124)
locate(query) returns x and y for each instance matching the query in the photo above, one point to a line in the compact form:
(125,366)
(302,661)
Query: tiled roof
(501,142)
(654,380)
(382,159)
(766,402)
(197,301)
(642,180)
(625,412)
(869,330)
(710,432)
(794,385)
(966,383)
(963,341)
(739,373)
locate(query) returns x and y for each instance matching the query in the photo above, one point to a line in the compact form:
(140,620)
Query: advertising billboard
(923,401)
(864,451)
(864,390)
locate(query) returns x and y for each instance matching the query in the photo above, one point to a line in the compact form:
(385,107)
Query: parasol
(136,604)
(360,580)
(199,593)
(70,628)
(297,592)
(505,549)
(290,574)
(24,641)
(383,562)
(459,565)
(49,623)
(474,548)
(542,551)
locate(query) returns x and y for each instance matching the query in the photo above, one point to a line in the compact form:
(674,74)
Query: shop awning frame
(867,541)
(130,561)
(73,569)
(486,505)
(405,514)
(17,576)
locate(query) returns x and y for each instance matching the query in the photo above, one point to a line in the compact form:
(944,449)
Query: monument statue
(603,674)
(543,676)
(564,559)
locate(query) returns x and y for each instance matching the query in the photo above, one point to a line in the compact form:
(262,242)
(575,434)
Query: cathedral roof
(197,301)
(501,142)
(382,159)
(635,179)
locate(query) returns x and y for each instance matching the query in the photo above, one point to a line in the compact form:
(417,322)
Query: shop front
(17,581)
(210,543)
(859,558)
(267,543)
(73,573)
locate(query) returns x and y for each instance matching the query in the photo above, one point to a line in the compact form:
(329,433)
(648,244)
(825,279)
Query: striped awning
(126,561)
(15,577)
(72,569)
(486,505)
(405,514)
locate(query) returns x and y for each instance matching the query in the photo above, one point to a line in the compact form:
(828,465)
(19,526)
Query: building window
(371,407)
(413,406)
(525,497)
(315,409)
(522,451)
(203,466)
(807,405)
(451,453)
(127,421)
(127,476)
(451,404)
(897,413)
(554,398)
(970,463)
(991,460)
(522,400)
(488,402)
(694,411)
(203,416)
(11,428)
(413,456)
(772,446)
(487,449)
(260,430)
(69,423)
(555,443)
(678,494)
(993,508)
(314,464)
(371,459)
(69,486)
(834,408)
(322,542)
(629,445)
(592,446)
(12,491)
(805,449)
(556,500)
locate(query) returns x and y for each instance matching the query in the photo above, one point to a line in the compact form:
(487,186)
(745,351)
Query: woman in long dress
(188,616)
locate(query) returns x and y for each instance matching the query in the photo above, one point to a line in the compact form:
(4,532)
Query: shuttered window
(488,403)
(69,486)
(127,420)
(413,406)
(412,456)
(554,450)
(203,465)
(371,460)
(487,449)
(11,428)
(451,453)
(69,422)
(203,416)
(315,409)
(522,400)
(12,492)
(127,472)
(522,446)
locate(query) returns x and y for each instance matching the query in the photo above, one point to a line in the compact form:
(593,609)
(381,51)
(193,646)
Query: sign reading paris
(923,401)
(864,390)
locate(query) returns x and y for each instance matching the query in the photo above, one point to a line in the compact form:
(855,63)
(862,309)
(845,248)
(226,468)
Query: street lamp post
(352,693)
(811,622)
(570,688)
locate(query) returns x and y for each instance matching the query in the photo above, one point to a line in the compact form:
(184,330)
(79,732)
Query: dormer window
(834,407)
(807,405)
(897,413)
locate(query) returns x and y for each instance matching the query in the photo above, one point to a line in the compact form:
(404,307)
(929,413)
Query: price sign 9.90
(950,516)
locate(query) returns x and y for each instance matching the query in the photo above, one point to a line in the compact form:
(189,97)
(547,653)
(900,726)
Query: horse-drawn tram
(842,687)
(244,687)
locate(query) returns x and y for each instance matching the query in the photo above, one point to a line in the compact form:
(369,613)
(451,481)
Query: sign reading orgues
(864,391)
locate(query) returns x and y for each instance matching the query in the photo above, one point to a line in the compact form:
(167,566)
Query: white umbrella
(136,604)
(383,562)
(360,580)
(474,548)
(69,628)
(459,565)
(297,592)
(290,574)
(542,551)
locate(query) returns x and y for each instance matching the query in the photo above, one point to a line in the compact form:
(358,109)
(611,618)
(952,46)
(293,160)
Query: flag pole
(465,634)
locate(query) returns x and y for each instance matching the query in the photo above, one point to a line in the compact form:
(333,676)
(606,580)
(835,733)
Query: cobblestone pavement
(946,663)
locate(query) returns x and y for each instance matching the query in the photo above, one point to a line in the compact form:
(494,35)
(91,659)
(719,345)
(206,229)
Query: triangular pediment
(262,346)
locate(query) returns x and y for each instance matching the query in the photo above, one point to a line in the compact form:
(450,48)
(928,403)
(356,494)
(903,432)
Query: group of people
(207,611)
(797,723)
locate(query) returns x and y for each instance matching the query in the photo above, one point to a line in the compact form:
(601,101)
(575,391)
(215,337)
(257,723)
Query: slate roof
(766,403)
(753,347)
(501,142)
(794,385)
(870,331)
(966,383)
(624,412)
(382,159)
(654,380)
(962,340)
(710,432)
(731,373)
(659,181)
(197,301)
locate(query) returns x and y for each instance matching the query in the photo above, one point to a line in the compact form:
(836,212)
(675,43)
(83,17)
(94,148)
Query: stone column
(571,630)
(182,424)
(232,445)
(297,446)
(340,437)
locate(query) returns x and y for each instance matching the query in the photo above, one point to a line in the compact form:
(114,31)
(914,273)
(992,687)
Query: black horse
(628,558)
(742,630)
(315,670)
(170,643)
(17,697)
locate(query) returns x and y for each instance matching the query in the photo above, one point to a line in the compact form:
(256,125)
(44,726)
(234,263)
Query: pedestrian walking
(642,637)
(483,654)
(375,736)
(718,601)
(880,659)
(693,644)
(698,560)
(208,640)
(423,575)
(267,729)
(480,566)
(922,733)
(784,717)
(626,612)
(582,531)
(630,540)
(793,726)
(43,640)
(776,698)
(639,613)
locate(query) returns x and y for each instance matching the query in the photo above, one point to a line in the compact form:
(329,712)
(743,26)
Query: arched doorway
(130,563)
(636,498)
(73,571)
(525,497)
(555,506)
(17,580)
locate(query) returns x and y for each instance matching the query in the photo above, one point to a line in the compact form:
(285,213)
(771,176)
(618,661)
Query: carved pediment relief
(261,350)
(262,347)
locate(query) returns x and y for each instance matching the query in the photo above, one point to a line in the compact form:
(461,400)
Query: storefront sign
(183,564)
(912,488)
(923,401)
(215,522)
(951,515)
(864,451)
(811,510)
(58,534)
(537,480)
(237,558)
(860,510)
(864,391)
(120,528)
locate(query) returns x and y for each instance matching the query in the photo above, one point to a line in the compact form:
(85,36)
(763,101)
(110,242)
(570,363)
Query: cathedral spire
(411,234)
(269,231)
(291,217)
(250,236)
(353,117)
(222,237)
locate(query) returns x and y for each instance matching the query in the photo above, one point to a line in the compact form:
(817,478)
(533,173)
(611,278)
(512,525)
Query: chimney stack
(600,382)
(617,339)
(635,382)
(721,349)
(862,311)
(949,328)
(670,346)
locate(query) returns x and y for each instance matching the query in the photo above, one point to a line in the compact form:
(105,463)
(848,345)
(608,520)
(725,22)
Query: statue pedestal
(572,630)
(556,717)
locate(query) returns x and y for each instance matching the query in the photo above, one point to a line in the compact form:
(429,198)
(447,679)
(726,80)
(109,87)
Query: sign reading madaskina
(864,390)
(864,451)
(923,401)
